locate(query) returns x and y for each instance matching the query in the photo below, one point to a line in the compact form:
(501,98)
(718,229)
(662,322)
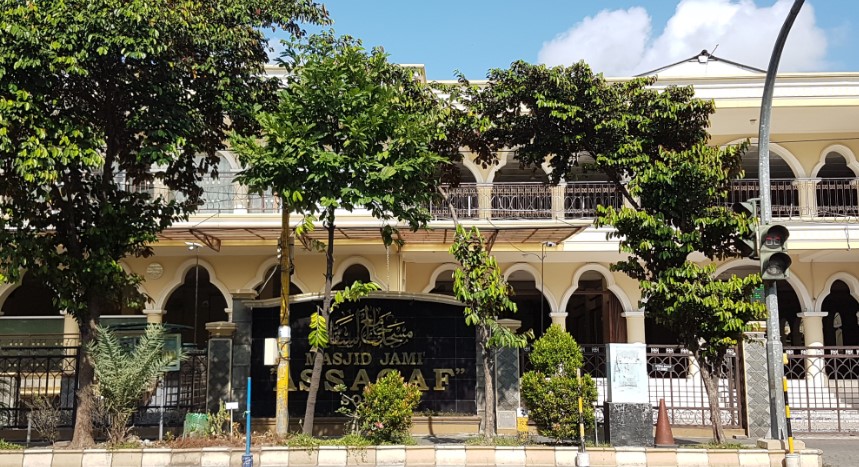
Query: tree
(124,375)
(351,130)
(100,99)
(479,285)
(652,144)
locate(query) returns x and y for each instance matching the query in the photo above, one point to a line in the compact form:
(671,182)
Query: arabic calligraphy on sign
(371,326)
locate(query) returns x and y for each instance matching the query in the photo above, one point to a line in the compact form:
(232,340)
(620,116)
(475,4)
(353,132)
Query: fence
(31,372)
(823,388)
(674,376)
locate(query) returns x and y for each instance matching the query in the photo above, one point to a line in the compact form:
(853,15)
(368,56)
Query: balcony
(799,199)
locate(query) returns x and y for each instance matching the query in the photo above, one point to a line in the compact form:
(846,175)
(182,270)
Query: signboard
(427,342)
(172,345)
(627,373)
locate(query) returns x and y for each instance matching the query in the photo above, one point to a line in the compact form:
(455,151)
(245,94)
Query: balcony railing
(808,198)
(464,200)
(582,198)
(784,195)
(521,201)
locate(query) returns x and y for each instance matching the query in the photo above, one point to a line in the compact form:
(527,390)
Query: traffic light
(774,258)
(747,243)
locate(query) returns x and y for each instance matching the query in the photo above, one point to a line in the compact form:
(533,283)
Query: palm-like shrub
(125,373)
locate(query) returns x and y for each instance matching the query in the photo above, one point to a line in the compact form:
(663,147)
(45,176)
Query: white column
(154,316)
(812,326)
(807,189)
(634,327)
(559,318)
(558,200)
(484,200)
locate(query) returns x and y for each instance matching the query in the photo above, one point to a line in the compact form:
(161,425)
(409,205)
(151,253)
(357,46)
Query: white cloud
(620,42)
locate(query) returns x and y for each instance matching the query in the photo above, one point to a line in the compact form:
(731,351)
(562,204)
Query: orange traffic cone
(664,437)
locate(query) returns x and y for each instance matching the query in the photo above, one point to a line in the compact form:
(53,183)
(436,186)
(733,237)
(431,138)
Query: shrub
(7,446)
(46,416)
(385,414)
(552,390)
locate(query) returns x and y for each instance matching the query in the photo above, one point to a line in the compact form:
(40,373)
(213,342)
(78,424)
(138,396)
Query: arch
(610,285)
(788,157)
(538,282)
(179,279)
(469,164)
(840,149)
(231,159)
(359,260)
(798,287)
(437,272)
(849,279)
(545,167)
(260,276)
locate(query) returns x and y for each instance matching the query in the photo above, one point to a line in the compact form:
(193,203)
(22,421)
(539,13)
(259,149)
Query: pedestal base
(628,424)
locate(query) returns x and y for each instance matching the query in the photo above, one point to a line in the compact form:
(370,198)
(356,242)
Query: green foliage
(218,424)
(318,336)
(556,352)
(99,99)
(385,414)
(45,416)
(124,375)
(478,284)
(7,446)
(551,391)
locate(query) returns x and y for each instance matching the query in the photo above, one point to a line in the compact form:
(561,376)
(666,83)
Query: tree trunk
(83,431)
(282,401)
(711,384)
(318,361)
(488,382)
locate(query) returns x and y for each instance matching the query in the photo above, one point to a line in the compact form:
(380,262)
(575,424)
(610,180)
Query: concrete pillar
(559,318)
(812,326)
(154,316)
(242,318)
(756,387)
(634,327)
(241,199)
(220,356)
(484,200)
(71,330)
(558,200)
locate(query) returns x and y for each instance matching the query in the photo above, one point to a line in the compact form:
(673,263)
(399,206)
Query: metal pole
(775,370)
(163,388)
(248,459)
(284,331)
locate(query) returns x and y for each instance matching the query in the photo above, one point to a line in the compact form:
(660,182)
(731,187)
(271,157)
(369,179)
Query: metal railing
(464,200)
(582,198)
(823,388)
(673,376)
(837,197)
(50,372)
(521,201)
(783,193)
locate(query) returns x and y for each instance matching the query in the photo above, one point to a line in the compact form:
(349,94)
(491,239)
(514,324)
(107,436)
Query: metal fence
(521,201)
(673,376)
(823,388)
(464,200)
(582,198)
(51,372)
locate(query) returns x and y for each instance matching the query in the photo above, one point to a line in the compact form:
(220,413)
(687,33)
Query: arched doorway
(783,192)
(835,191)
(29,309)
(594,314)
(532,307)
(270,287)
(444,283)
(520,191)
(193,304)
(840,326)
(352,274)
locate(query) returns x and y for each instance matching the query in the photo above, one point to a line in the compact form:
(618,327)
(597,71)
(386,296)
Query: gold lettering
(417,378)
(421,358)
(366,358)
(395,360)
(309,360)
(360,379)
(304,385)
(385,359)
(333,378)
(337,359)
(384,372)
(409,358)
(442,378)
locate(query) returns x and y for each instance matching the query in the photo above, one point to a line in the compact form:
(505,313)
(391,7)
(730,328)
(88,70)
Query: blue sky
(617,37)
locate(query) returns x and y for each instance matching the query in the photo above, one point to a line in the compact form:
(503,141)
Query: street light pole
(775,370)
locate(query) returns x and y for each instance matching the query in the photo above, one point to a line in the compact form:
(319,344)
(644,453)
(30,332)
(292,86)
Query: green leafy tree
(552,389)
(124,375)
(351,130)
(101,99)
(653,145)
(478,284)
(385,414)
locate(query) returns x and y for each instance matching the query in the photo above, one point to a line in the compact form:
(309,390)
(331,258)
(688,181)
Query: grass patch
(7,446)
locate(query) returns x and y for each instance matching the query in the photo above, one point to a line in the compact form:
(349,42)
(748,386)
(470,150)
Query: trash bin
(196,424)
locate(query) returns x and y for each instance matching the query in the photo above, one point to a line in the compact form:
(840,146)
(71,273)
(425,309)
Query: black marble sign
(427,342)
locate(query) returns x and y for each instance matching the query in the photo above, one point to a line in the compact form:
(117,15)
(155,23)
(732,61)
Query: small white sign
(231,405)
